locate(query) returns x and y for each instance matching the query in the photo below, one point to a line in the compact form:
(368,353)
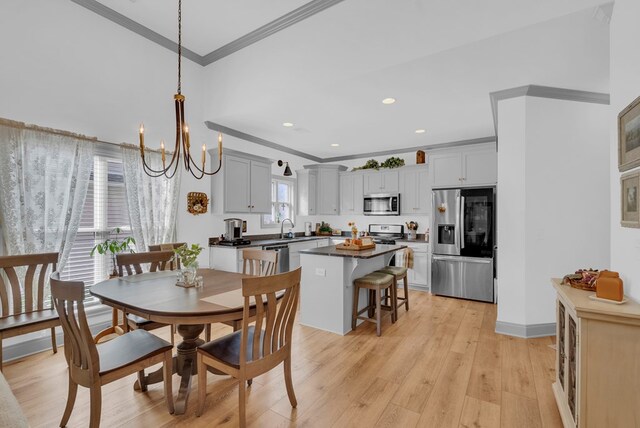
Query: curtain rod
(31,127)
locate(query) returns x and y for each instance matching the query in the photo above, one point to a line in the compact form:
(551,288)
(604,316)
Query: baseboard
(424,288)
(526,331)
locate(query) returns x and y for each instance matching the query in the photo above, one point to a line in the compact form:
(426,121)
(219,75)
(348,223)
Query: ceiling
(327,74)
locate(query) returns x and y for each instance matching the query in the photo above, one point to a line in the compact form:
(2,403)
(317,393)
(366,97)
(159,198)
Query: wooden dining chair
(255,349)
(254,262)
(169,247)
(132,264)
(259,262)
(23,305)
(93,366)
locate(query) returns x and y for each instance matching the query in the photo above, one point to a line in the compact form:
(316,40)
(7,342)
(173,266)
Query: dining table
(156,297)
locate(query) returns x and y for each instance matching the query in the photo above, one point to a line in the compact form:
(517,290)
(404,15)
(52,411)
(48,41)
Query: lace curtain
(152,202)
(43,184)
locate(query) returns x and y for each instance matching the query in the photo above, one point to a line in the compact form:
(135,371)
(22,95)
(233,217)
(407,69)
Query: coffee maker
(233,232)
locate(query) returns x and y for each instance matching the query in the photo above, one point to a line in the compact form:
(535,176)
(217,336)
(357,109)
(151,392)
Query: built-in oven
(382,204)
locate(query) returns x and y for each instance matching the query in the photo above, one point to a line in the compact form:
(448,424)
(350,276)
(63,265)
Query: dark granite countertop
(331,250)
(275,241)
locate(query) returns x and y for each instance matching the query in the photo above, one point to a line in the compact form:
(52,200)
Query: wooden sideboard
(597,360)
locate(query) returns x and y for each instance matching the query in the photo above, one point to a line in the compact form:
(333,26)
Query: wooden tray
(352,247)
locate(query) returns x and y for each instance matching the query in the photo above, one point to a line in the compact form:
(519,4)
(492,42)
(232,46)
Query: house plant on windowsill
(412,226)
(114,246)
(189,257)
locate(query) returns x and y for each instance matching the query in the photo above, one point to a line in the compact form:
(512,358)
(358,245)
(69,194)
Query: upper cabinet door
(351,193)
(415,191)
(446,169)
(313,193)
(328,192)
(237,186)
(346,194)
(480,167)
(260,187)
(381,182)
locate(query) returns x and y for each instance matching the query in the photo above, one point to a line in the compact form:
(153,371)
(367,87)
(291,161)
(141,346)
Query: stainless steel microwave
(382,204)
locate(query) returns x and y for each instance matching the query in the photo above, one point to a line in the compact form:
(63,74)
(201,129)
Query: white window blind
(105,208)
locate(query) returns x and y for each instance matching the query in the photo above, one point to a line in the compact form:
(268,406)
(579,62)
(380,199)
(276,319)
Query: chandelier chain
(179,46)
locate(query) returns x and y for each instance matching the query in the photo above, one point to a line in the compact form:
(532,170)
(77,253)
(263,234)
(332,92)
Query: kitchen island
(326,295)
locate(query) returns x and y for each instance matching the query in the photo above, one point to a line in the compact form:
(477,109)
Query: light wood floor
(440,365)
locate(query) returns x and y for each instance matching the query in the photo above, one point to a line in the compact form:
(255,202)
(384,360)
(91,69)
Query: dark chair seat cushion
(137,320)
(30,318)
(130,348)
(227,349)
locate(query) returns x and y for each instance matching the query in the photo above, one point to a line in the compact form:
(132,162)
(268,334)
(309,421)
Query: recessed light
(335,145)
(287,124)
(420,131)
(388,101)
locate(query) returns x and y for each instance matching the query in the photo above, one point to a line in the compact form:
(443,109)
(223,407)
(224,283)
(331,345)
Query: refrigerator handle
(461,222)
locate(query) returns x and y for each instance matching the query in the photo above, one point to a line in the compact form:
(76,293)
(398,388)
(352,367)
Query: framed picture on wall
(630,199)
(629,136)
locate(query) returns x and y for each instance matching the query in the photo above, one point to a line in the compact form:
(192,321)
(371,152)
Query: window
(282,207)
(105,208)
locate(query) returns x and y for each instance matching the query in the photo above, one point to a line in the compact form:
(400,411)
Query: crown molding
(544,92)
(266,143)
(303,12)
(139,29)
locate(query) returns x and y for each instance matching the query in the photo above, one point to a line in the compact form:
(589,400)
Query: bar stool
(375,282)
(399,273)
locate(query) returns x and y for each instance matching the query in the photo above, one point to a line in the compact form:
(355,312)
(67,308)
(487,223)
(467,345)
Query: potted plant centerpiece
(189,258)
(113,246)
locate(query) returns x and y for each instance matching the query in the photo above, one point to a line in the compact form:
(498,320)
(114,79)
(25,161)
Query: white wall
(625,87)
(553,170)
(511,211)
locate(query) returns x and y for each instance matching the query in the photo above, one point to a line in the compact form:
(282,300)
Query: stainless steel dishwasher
(283,256)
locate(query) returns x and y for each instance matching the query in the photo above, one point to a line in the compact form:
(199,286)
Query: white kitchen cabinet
(327,189)
(294,252)
(415,190)
(243,185)
(328,192)
(307,191)
(466,166)
(419,276)
(382,181)
(480,167)
(351,193)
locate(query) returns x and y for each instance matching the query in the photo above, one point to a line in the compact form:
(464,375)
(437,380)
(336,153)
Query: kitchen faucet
(282,227)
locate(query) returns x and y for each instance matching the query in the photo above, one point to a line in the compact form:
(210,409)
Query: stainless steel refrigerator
(463,234)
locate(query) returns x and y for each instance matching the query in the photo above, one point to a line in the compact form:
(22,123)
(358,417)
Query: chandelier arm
(175,169)
(202,171)
(155,171)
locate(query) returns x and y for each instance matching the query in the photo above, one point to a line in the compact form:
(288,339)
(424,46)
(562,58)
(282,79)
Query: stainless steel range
(386,233)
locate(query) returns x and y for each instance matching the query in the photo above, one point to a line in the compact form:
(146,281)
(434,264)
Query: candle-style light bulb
(220,146)
(142,139)
(163,154)
(204,154)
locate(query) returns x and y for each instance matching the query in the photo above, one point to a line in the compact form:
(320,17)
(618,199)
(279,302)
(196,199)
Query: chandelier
(183,144)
